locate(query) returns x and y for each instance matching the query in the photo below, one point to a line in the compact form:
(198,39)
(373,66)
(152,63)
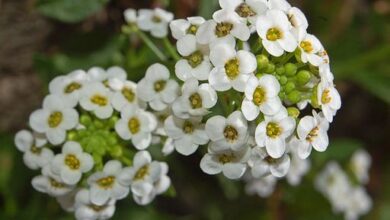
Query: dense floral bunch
(240,86)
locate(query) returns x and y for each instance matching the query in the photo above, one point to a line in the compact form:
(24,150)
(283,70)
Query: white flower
(67,201)
(142,175)
(248,9)
(160,186)
(105,185)
(125,93)
(225,26)
(97,98)
(358,203)
(312,132)
(86,210)
(156,87)
(227,133)
(69,87)
(54,119)
(325,73)
(263,187)
(195,99)
(261,95)
(273,131)
(137,125)
(130,15)
(100,75)
(274,30)
(298,167)
(35,154)
(168,147)
(232,68)
(262,164)
(195,62)
(329,100)
(51,183)
(360,165)
(156,21)
(310,48)
(183,27)
(231,163)
(71,163)
(187,134)
(298,21)
(279,5)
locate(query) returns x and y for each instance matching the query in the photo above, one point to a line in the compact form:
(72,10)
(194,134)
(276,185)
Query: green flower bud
(112,121)
(314,101)
(283,80)
(291,69)
(282,95)
(293,112)
(85,120)
(116,151)
(99,124)
(112,140)
(289,87)
(294,96)
(259,75)
(303,77)
(280,70)
(72,135)
(262,61)
(270,68)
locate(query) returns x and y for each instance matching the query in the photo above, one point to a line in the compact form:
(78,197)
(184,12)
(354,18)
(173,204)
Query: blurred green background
(40,39)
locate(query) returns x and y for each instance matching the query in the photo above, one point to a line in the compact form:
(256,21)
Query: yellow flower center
(270,160)
(97,208)
(259,96)
(156,19)
(106,182)
(72,87)
(35,150)
(274,34)
(226,158)
(192,29)
(195,59)
(99,100)
(312,134)
(134,125)
(54,183)
(273,130)
(306,46)
(128,94)
(72,162)
(222,29)
(232,68)
(55,119)
(326,98)
(159,85)
(244,10)
(188,127)
(141,173)
(196,101)
(230,133)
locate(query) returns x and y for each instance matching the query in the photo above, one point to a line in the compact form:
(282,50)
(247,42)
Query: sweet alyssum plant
(249,85)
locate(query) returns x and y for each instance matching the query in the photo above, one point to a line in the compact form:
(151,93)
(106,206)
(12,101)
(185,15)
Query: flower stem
(151,45)
(171,49)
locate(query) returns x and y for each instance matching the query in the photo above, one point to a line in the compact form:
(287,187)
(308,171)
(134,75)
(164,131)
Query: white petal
(275,147)
(186,45)
(288,42)
(218,79)
(56,136)
(220,54)
(240,31)
(250,110)
(185,146)
(141,158)
(183,70)
(321,142)
(122,130)
(271,106)
(281,168)
(234,170)
(260,169)
(141,188)
(24,140)
(248,63)
(99,196)
(273,48)
(209,166)
(69,176)
(214,127)
(141,140)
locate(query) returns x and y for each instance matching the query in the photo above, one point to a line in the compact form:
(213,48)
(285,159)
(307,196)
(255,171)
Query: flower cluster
(240,84)
(345,190)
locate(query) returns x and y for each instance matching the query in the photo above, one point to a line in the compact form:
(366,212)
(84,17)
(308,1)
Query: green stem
(171,49)
(151,45)
(258,46)
(286,58)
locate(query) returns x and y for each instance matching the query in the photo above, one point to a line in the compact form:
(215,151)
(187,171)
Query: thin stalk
(151,45)
(171,49)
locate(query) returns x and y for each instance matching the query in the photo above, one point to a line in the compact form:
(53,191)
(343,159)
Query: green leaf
(69,11)
(378,84)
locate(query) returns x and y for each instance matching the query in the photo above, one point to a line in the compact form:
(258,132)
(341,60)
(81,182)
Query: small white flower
(360,165)
(195,62)
(71,163)
(231,163)
(279,5)
(168,147)
(104,76)
(69,87)
(105,185)
(161,116)
(273,131)
(329,100)
(274,30)
(358,203)
(325,73)
(298,21)
(35,154)
(195,100)
(137,125)
(97,98)
(224,28)
(85,209)
(298,167)
(142,175)
(247,9)
(312,132)
(263,187)
(310,48)
(232,68)
(187,134)
(183,27)
(125,93)
(156,21)
(67,201)
(156,87)
(130,15)
(228,133)
(262,164)
(54,119)
(261,95)
(51,183)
